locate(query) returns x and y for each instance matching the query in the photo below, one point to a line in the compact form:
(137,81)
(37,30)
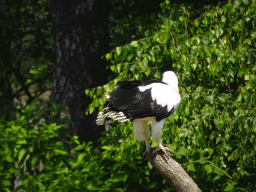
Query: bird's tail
(107,114)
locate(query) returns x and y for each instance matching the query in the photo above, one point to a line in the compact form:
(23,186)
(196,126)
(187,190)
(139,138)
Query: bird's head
(171,79)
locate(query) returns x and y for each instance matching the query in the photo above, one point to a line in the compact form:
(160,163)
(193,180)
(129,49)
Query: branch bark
(172,172)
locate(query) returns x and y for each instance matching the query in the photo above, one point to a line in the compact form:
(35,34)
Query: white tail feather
(106,114)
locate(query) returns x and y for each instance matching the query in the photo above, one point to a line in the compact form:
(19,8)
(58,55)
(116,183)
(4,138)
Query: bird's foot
(163,149)
(145,155)
(147,152)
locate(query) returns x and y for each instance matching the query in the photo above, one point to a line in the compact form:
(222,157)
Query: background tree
(80,33)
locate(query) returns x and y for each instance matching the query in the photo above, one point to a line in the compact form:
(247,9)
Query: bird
(141,101)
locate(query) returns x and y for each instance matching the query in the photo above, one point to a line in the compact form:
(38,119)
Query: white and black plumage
(143,101)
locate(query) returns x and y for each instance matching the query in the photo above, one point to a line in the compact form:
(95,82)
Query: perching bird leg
(148,147)
(161,147)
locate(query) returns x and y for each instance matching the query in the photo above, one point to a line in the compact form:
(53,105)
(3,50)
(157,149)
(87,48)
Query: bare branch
(172,172)
(21,80)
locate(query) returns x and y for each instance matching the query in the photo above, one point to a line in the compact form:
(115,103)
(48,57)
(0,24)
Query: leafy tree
(29,147)
(25,52)
(213,134)
(25,45)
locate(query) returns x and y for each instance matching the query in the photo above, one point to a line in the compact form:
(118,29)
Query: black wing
(133,84)
(135,104)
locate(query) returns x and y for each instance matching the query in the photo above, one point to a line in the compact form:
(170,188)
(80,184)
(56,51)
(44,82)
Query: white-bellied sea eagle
(143,101)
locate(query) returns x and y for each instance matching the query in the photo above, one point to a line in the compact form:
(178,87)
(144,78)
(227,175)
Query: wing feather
(140,99)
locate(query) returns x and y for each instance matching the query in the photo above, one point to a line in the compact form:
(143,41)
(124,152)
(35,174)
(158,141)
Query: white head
(171,79)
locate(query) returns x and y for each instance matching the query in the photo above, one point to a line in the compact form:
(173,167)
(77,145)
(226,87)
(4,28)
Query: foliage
(31,151)
(213,52)
(128,20)
(26,35)
(26,143)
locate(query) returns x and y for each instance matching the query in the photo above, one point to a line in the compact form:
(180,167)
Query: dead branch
(172,172)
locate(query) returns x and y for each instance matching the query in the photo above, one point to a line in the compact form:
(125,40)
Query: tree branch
(39,80)
(172,172)
(23,85)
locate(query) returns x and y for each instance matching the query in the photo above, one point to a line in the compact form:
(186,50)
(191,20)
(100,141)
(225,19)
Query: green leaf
(157,75)
(208,168)
(78,148)
(31,148)
(198,40)
(140,29)
(223,19)
(147,33)
(245,1)
(9,158)
(145,62)
(106,147)
(60,152)
(230,186)
(130,56)
(118,50)
(80,158)
(113,68)
(108,56)
(183,151)
(5,182)
(133,69)
(191,167)
(21,154)
(237,3)
(120,177)
(134,43)
(197,22)
(22,142)
(33,160)
(148,72)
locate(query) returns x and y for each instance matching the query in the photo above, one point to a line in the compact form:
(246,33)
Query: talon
(147,152)
(164,149)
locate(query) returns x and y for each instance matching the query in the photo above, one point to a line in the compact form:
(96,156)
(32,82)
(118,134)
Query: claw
(148,149)
(146,153)
(162,148)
